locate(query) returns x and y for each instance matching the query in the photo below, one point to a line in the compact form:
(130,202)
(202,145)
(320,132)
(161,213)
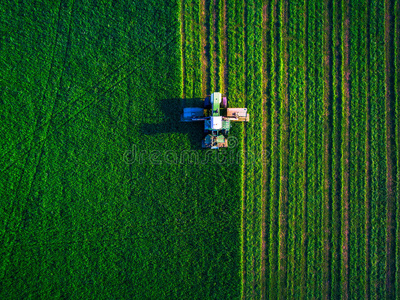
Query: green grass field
(104,194)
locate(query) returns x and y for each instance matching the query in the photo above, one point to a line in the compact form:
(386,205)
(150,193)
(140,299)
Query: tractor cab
(217,119)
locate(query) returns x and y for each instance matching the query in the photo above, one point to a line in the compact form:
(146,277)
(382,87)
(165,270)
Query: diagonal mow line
(83,94)
(119,81)
(93,87)
(47,82)
(41,143)
(43,96)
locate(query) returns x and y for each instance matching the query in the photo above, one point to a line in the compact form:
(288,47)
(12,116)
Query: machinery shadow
(172,110)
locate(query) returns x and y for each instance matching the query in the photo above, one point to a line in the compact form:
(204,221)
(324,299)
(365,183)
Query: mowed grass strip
(283,150)
(312,208)
(336,141)
(304,180)
(294,163)
(345,193)
(266,142)
(378,160)
(275,129)
(319,142)
(327,144)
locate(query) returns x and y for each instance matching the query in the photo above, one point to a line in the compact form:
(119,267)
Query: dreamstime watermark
(230,156)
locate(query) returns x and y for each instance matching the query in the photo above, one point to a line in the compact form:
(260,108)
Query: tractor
(217,119)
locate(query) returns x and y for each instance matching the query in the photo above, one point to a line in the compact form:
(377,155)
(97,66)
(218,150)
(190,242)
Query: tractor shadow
(172,110)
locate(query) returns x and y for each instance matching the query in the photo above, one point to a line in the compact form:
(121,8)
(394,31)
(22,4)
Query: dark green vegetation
(312,208)
(81,84)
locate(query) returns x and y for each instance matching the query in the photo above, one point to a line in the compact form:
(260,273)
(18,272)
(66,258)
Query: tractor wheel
(207,102)
(224,103)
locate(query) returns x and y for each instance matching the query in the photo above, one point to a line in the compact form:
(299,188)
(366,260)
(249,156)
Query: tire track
(18,207)
(95,94)
(41,144)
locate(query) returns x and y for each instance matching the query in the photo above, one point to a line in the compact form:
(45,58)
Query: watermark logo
(231,155)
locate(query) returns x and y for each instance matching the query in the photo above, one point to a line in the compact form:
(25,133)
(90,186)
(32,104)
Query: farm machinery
(217,119)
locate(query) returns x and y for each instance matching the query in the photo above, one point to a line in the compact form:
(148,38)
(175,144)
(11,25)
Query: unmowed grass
(84,83)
